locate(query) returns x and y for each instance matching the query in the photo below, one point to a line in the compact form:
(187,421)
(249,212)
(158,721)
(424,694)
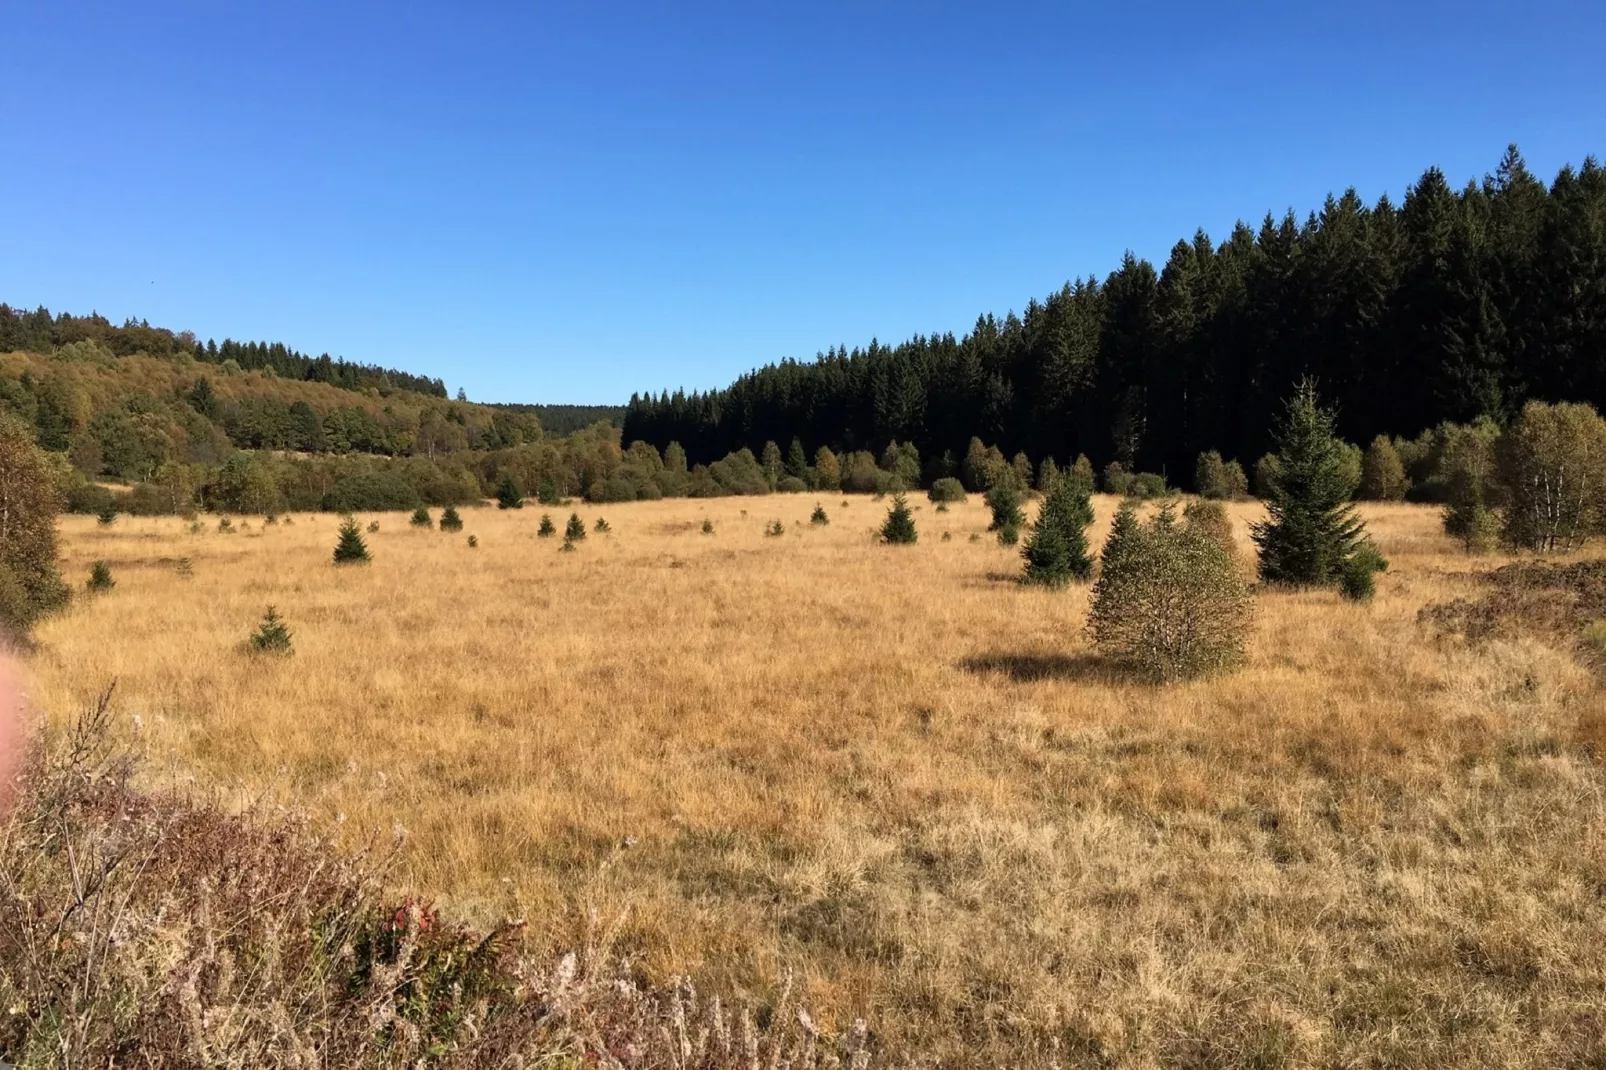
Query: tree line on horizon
(41,332)
(1454,306)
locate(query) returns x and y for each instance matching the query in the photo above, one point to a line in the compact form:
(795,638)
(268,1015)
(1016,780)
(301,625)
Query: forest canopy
(1453,305)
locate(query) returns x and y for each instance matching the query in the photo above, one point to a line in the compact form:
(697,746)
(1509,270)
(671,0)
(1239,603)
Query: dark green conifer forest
(1453,304)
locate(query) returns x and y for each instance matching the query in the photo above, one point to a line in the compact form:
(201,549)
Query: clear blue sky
(545,202)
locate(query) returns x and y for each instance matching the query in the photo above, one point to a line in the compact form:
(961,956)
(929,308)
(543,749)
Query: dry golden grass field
(906,777)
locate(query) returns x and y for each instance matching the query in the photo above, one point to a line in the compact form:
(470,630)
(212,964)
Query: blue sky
(568,202)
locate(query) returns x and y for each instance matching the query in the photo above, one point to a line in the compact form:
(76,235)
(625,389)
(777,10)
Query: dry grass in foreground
(906,777)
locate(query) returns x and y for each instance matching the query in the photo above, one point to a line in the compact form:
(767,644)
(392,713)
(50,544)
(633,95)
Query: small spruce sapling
(818,517)
(107,516)
(1057,553)
(708,526)
(575,530)
(508,493)
(899,527)
(601,526)
(450,521)
(1004,501)
(351,550)
(775,529)
(421,518)
(100,577)
(271,636)
(473,542)
(546,527)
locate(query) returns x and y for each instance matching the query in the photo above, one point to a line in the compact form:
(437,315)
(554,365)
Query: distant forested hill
(40,332)
(562,419)
(1454,304)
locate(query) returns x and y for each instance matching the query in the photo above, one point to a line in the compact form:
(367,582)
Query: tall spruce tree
(1312,530)
(1056,552)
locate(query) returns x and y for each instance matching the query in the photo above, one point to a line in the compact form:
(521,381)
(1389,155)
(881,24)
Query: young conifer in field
(546,528)
(107,516)
(421,518)
(225,526)
(576,529)
(899,527)
(708,526)
(601,526)
(473,542)
(818,517)
(774,529)
(1312,530)
(351,550)
(272,635)
(1057,553)
(100,577)
(450,521)
(373,527)
(509,495)
(1004,500)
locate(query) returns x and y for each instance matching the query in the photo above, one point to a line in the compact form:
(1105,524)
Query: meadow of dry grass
(906,776)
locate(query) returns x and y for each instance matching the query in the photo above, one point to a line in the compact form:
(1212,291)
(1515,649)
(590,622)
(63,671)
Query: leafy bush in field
(372,492)
(1210,519)
(1169,600)
(947,489)
(1383,476)
(1147,485)
(1117,480)
(1552,464)
(1464,476)
(30,584)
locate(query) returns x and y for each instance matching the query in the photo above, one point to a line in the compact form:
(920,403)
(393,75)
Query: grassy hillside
(906,776)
